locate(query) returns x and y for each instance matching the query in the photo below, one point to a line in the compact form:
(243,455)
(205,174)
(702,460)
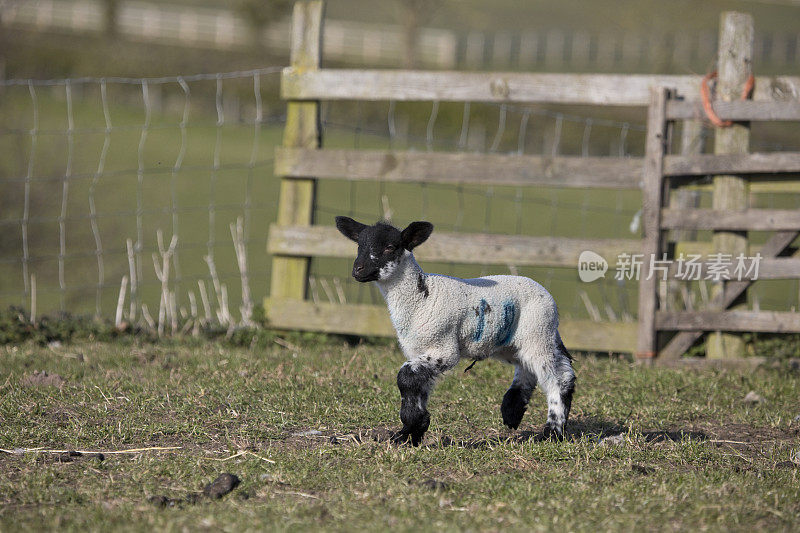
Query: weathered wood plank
(743,163)
(373,320)
(469,248)
(743,363)
(747,110)
(681,342)
(691,144)
(652,199)
(760,184)
(721,219)
(511,87)
(444,167)
(296,197)
(762,321)
(781,268)
(365,320)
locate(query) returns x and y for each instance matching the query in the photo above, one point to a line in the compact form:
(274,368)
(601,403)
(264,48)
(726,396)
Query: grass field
(304,425)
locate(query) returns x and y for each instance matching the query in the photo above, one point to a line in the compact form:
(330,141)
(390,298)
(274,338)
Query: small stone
(307,433)
(796,457)
(796,420)
(221,486)
(754,398)
(613,440)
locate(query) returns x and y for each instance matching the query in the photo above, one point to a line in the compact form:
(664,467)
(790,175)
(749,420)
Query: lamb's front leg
(516,398)
(415,381)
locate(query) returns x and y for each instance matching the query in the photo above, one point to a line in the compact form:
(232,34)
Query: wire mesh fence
(105,179)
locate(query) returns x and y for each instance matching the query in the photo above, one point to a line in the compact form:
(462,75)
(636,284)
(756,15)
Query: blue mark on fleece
(508,326)
(480,311)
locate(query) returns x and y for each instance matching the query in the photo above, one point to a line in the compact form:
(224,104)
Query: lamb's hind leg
(515,400)
(558,384)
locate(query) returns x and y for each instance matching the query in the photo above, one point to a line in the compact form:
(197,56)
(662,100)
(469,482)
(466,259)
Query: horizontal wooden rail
(415,85)
(469,248)
(759,184)
(766,321)
(768,268)
(747,110)
(756,163)
(373,320)
(749,219)
(466,168)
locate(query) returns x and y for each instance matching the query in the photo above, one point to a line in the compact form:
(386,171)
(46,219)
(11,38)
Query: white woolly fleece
(440,319)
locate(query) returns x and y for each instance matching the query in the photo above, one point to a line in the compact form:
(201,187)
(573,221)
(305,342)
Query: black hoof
(405,436)
(401,437)
(513,408)
(553,433)
(415,424)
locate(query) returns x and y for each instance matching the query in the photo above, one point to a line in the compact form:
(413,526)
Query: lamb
(441,319)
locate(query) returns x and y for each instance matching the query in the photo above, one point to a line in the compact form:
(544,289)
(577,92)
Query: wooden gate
(301,161)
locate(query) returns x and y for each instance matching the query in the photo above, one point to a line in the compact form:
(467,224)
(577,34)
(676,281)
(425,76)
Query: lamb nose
(359,269)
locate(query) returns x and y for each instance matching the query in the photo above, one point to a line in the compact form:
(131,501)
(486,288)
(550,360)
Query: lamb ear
(416,233)
(349,227)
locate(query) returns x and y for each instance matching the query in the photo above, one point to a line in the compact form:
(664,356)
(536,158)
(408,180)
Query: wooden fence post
(685,198)
(731,192)
(652,198)
(296,200)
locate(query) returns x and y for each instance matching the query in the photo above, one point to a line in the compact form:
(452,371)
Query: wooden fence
(301,161)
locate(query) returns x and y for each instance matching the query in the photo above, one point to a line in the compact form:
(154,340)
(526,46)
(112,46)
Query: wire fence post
(735,66)
(296,200)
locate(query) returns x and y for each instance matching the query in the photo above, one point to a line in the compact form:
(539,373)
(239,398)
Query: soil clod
(435,484)
(69,457)
(163,501)
(43,379)
(221,486)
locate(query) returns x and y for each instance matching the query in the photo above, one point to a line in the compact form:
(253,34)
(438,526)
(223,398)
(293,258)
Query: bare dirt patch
(43,379)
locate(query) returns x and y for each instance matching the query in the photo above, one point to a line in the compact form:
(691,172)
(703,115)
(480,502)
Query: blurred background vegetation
(679,37)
